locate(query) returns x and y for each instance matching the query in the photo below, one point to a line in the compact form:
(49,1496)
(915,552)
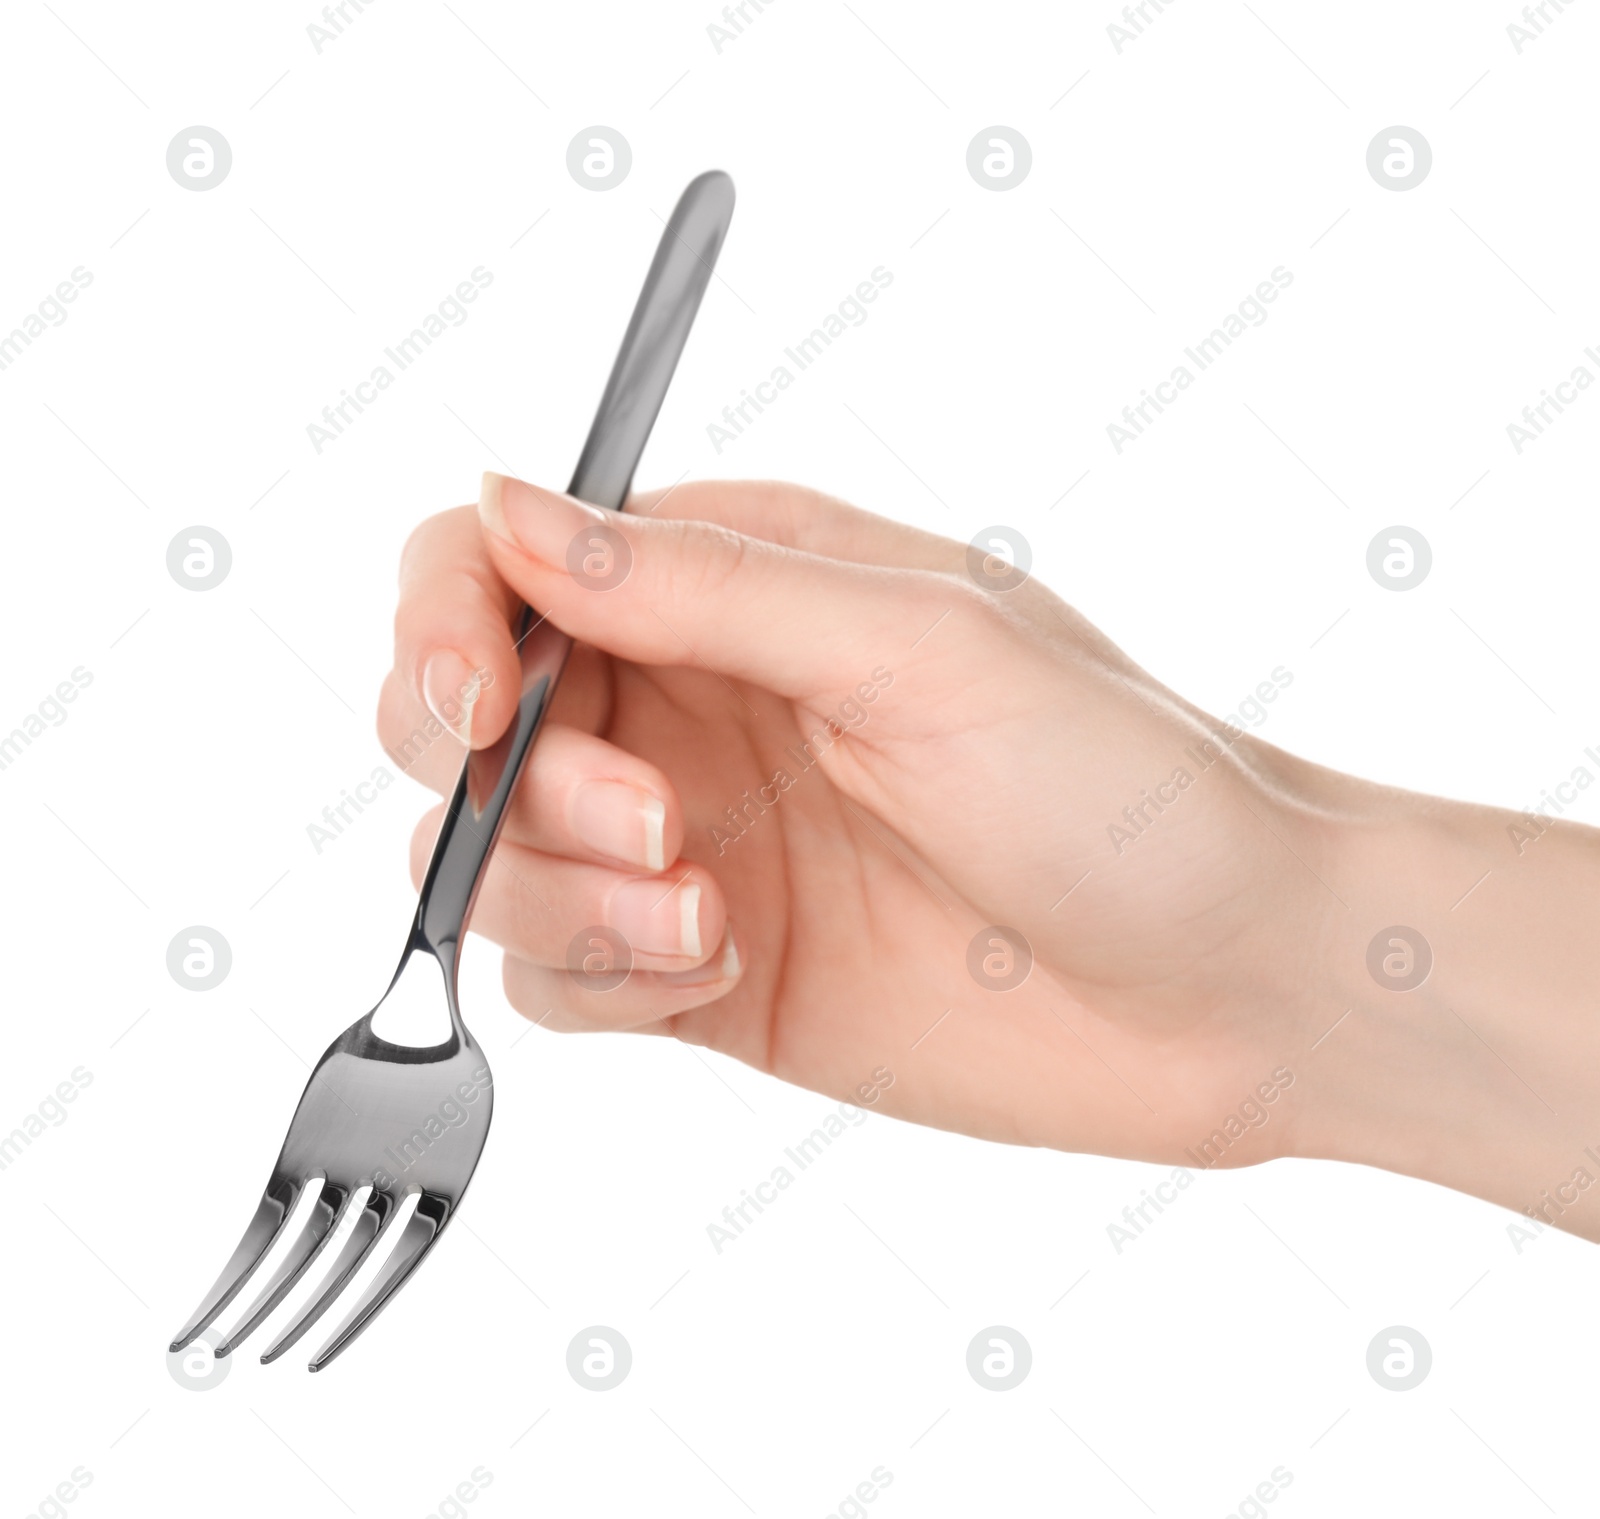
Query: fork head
(378,1120)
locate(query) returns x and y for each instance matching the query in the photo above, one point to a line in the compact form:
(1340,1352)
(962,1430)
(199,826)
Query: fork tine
(421,1230)
(376,1216)
(274,1208)
(328,1210)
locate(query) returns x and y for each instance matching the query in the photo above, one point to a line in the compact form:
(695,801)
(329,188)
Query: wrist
(1458,1043)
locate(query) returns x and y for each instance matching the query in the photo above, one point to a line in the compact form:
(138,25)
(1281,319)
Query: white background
(367,181)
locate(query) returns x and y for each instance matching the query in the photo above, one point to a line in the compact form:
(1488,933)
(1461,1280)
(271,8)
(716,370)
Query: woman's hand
(892,835)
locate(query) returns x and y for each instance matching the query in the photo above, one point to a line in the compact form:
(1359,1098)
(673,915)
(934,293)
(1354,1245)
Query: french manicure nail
(450,687)
(722,966)
(540,523)
(658,918)
(621,821)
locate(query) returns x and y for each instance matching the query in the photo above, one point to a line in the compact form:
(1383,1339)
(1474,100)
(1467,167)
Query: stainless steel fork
(381,1121)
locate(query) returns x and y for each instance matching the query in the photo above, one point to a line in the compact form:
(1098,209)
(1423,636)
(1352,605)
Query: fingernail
(491,511)
(658,918)
(539,522)
(621,821)
(722,966)
(450,687)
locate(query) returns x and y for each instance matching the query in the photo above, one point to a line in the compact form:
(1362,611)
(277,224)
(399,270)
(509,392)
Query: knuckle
(714,559)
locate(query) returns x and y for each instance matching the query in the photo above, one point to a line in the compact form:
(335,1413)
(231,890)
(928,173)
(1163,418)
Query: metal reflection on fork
(380,1122)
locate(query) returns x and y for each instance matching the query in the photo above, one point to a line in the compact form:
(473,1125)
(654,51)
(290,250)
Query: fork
(382,1122)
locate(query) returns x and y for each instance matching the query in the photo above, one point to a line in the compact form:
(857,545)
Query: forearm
(1486,1075)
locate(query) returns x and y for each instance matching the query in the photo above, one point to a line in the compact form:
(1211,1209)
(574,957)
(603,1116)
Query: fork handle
(657,331)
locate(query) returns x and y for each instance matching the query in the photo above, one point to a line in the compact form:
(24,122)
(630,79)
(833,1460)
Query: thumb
(673,592)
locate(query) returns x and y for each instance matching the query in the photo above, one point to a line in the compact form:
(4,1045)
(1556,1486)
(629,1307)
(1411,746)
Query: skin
(985,744)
